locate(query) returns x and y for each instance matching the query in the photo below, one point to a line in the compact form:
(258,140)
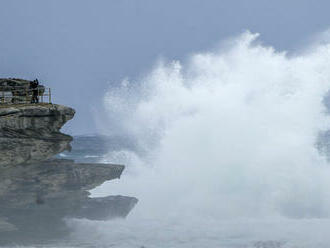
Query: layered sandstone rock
(35,199)
(38,192)
(30,133)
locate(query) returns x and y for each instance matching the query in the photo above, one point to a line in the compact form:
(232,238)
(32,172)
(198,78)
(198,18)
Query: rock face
(37,192)
(30,133)
(36,198)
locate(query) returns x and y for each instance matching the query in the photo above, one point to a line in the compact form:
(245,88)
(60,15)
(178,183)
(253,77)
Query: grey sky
(77,47)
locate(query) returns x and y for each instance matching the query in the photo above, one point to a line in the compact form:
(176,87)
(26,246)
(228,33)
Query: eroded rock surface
(38,192)
(36,198)
(30,133)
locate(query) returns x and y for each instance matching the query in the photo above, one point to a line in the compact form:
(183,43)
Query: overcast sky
(78,47)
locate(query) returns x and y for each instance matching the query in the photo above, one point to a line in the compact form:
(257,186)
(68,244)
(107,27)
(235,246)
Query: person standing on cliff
(34,86)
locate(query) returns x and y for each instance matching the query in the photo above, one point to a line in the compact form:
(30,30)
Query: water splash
(229,134)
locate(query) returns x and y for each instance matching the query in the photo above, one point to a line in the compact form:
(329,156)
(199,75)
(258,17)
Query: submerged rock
(30,133)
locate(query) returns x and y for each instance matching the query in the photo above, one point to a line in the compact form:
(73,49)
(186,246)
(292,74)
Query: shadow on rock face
(36,198)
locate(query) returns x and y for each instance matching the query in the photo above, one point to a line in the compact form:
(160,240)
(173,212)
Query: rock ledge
(30,133)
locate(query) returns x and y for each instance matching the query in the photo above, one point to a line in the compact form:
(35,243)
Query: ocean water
(225,149)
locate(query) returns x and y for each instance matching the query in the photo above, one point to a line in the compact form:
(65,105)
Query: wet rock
(36,198)
(106,208)
(23,184)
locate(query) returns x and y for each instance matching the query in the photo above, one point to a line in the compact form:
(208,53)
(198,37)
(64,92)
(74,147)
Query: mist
(225,145)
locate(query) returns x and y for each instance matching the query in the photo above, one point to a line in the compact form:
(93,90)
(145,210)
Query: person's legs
(35,98)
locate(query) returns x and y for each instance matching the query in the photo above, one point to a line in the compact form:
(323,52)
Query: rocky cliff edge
(30,133)
(36,192)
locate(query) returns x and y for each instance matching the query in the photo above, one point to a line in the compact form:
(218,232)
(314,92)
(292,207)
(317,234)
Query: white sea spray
(225,140)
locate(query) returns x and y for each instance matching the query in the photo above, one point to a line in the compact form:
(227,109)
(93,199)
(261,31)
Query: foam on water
(227,136)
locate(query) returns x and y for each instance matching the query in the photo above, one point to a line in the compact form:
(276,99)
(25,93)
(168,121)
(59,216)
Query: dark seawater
(93,148)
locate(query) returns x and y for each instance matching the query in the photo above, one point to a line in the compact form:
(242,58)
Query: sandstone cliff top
(37,109)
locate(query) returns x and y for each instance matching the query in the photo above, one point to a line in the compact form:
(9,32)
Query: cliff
(37,192)
(35,199)
(30,133)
